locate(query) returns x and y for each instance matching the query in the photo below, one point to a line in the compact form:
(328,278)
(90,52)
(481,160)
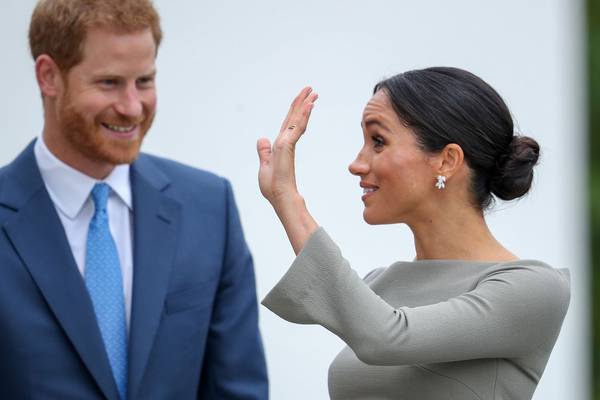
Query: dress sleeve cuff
(294,292)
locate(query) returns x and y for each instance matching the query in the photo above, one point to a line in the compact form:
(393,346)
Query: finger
(263,147)
(296,103)
(307,112)
(300,122)
(301,113)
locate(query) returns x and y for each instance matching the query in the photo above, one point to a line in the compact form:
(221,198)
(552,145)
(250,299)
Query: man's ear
(450,160)
(48,76)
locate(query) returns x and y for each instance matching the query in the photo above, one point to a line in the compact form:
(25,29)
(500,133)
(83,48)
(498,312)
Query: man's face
(109,100)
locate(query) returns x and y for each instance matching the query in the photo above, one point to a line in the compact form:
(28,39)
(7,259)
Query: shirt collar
(69,188)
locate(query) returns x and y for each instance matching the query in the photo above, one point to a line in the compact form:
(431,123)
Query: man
(123,275)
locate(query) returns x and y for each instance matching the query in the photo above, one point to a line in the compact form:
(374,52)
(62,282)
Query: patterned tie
(104,283)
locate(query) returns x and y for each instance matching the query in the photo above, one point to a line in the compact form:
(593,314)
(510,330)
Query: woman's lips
(368,190)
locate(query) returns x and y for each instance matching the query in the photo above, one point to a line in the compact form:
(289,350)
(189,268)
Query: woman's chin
(372,219)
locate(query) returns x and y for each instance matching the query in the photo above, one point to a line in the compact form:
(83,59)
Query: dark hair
(444,105)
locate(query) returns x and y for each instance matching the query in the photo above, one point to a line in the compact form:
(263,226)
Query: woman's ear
(48,76)
(450,160)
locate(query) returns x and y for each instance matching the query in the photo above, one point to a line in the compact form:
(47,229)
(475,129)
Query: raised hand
(276,175)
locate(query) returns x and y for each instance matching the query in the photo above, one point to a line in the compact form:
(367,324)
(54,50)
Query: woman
(467,319)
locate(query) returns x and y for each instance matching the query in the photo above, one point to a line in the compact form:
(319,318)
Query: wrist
(296,220)
(288,202)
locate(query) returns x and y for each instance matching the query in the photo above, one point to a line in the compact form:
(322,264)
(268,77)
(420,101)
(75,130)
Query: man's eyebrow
(104,73)
(112,74)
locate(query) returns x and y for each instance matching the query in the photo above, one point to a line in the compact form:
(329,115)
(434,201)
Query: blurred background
(227,71)
(593,54)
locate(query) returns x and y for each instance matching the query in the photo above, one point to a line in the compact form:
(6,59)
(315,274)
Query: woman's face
(397,177)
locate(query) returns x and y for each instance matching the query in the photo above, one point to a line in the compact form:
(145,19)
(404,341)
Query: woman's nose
(359,166)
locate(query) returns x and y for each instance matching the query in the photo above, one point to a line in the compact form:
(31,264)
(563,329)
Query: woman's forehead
(379,110)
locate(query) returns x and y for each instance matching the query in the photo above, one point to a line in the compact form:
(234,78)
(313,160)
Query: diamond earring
(441,182)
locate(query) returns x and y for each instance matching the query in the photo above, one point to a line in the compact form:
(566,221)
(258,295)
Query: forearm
(297,221)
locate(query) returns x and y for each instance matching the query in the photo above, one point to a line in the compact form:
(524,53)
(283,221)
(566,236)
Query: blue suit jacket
(193,330)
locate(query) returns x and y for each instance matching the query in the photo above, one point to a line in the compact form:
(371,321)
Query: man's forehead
(116,37)
(101,43)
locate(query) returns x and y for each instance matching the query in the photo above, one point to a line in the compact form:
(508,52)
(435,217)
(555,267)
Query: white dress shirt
(70,191)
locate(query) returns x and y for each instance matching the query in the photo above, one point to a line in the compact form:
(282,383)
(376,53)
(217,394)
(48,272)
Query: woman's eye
(378,141)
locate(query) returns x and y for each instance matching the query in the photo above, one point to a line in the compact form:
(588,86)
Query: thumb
(263,147)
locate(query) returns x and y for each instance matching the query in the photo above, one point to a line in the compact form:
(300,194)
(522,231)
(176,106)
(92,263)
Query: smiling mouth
(118,128)
(368,191)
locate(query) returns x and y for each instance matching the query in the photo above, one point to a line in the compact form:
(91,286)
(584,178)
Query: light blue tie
(105,285)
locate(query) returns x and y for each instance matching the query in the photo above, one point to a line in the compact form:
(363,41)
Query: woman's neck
(457,234)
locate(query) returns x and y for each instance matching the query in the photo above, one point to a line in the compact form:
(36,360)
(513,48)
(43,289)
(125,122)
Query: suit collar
(156,226)
(21,180)
(69,188)
(144,168)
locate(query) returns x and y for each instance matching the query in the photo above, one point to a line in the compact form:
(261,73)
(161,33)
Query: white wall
(227,71)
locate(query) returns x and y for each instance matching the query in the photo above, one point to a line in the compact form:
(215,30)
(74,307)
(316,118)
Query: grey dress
(428,330)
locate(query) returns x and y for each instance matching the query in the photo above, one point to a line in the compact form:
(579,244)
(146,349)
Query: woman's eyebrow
(372,123)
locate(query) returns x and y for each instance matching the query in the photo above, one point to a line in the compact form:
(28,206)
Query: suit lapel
(39,238)
(156,224)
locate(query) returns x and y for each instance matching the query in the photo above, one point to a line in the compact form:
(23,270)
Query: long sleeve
(508,312)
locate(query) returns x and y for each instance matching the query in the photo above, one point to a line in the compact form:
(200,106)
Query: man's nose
(130,103)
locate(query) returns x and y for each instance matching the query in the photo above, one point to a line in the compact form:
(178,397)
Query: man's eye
(145,82)
(108,82)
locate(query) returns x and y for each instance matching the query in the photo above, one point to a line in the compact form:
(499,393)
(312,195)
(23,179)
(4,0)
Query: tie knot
(100,195)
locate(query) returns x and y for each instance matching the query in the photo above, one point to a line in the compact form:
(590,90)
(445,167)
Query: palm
(276,174)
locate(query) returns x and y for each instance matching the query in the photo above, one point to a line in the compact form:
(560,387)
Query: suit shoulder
(2,173)
(183,175)
(5,175)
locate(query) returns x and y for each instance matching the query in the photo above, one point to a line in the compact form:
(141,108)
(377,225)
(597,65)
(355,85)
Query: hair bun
(514,170)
